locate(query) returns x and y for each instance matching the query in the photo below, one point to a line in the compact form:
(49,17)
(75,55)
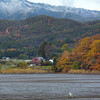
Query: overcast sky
(87,4)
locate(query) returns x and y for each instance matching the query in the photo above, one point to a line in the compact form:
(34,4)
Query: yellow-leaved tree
(65,62)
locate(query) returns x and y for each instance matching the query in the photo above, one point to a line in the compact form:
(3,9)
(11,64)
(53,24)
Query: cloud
(52,2)
(55,2)
(68,2)
(87,4)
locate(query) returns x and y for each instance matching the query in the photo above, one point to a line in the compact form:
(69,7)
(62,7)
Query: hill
(32,32)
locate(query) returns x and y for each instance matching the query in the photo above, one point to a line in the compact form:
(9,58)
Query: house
(37,60)
(31,65)
(51,60)
(6,58)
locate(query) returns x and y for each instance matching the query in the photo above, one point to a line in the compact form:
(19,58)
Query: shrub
(22,65)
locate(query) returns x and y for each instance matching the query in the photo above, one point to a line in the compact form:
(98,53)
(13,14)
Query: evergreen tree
(42,49)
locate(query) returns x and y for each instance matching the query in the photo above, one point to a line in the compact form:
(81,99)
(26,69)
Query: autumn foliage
(86,55)
(65,62)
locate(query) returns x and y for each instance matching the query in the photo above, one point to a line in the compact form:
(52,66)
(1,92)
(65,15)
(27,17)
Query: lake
(49,87)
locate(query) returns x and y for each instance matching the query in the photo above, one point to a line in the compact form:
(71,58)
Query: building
(37,60)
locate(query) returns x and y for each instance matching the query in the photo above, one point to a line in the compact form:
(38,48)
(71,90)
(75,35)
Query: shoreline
(88,72)
(36,71)
(23,71)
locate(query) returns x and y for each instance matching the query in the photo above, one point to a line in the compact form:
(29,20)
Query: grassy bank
(78,71)
(43,69)
(23,71)
(29,70)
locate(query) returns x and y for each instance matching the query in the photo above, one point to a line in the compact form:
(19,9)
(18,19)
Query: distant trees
(27,35)
(23,56)
(22,53)
(42,49)
(10,53)
(47,51)
(50,51)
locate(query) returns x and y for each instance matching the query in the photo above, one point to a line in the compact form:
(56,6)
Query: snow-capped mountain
(21,9)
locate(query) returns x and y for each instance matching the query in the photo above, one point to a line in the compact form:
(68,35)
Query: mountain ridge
(22,9)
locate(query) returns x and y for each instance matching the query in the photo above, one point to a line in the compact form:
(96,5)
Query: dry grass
(23,71)
(78,71)
(40,71)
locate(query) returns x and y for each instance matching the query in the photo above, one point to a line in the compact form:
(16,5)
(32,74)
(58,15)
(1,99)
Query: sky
(87,4)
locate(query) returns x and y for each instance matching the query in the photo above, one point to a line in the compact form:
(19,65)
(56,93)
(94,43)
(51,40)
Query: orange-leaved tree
(87,51)
(85,55)
(65,62)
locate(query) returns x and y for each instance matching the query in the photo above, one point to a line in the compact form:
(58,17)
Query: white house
(51,60)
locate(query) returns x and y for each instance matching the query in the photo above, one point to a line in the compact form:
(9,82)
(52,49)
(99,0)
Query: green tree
(50,51)
(42,49)
(54,61)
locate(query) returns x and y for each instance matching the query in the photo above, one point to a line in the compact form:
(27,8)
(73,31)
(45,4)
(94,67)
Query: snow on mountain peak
(21,9)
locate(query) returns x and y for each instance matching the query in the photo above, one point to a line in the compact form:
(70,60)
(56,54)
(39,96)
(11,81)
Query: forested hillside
(29,34)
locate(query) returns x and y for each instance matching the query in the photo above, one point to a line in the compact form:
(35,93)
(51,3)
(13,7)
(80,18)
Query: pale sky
(87,4)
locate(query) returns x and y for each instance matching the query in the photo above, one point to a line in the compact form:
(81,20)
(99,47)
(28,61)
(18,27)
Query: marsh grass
(78,71)
(22,71)
(43,69)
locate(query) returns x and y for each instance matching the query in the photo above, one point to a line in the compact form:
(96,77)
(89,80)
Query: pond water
(49,87)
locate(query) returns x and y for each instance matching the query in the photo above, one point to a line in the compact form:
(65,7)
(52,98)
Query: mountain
(22,9)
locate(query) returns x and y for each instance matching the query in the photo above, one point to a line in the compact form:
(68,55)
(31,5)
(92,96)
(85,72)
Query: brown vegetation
(78,71)
(22,71)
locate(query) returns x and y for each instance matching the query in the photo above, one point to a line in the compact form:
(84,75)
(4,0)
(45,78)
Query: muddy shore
(49,87)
